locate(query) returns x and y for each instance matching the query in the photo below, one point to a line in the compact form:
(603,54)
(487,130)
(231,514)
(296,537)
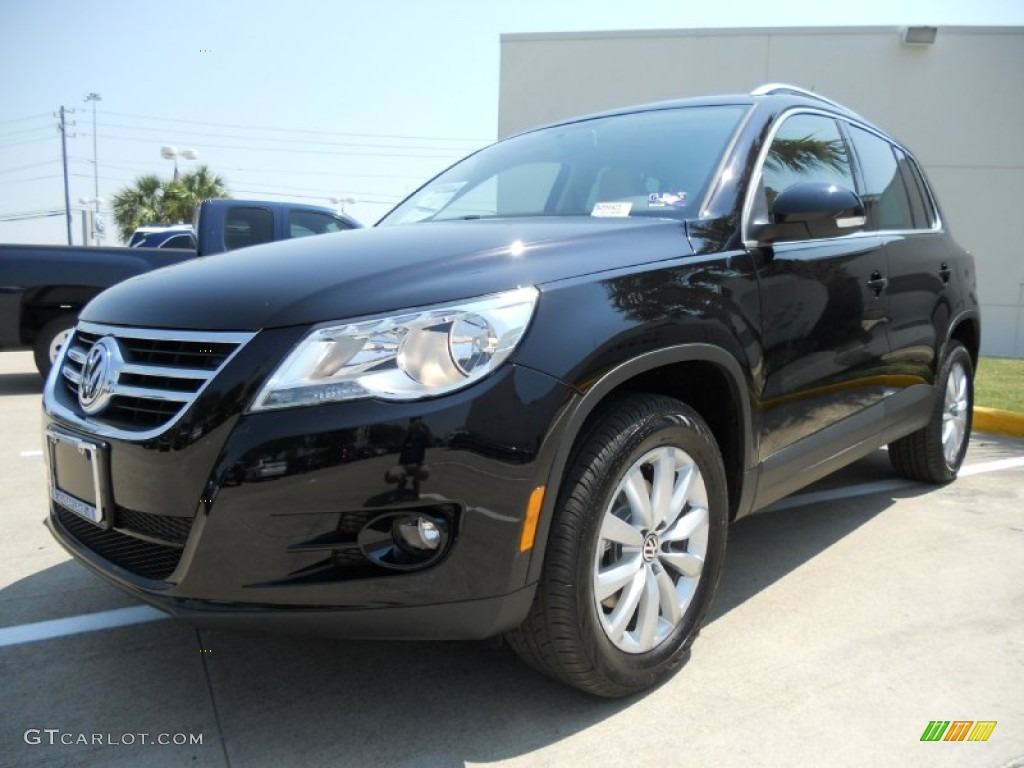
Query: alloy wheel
(651,549)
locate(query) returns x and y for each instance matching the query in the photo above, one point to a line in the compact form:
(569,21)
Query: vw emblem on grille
(99,374)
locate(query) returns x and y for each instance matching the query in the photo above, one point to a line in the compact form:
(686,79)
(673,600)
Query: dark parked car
(531,399)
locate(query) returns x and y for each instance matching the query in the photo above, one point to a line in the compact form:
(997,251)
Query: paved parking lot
(849,617)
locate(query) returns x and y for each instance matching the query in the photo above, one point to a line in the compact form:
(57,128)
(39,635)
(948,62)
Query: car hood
(362,272)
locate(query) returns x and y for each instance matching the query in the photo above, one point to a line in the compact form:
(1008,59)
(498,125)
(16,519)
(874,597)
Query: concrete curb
(998,422)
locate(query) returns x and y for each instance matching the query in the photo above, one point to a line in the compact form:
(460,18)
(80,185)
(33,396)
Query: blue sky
(308,100)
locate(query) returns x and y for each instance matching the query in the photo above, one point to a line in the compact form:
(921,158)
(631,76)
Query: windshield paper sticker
(433,200)
(666,199)
(612,209)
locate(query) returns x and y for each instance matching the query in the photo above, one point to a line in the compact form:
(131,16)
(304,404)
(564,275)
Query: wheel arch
(966,328)
(42,304)
(697,374)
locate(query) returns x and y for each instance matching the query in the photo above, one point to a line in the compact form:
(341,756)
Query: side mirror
(812,209)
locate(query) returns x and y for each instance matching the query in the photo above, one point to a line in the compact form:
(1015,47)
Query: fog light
(420,533)
(408,539)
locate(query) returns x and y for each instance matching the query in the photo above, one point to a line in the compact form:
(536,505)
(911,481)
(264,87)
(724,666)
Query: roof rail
(771,88)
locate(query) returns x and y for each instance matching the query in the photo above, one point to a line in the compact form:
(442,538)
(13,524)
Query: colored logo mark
(958,730)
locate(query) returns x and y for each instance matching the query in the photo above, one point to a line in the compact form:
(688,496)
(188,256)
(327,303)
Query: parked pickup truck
(44,287)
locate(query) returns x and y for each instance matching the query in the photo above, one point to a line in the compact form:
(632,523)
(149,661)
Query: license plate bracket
(79,476)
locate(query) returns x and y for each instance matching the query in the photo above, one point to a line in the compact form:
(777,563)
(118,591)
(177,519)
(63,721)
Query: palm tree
(139,205)
(801,155)
(150,201)
(182,195)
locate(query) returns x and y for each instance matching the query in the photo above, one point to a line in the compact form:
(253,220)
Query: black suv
(530,400)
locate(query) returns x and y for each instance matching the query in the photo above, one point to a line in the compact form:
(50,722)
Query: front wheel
(634,554)
(50,340)
(935,452)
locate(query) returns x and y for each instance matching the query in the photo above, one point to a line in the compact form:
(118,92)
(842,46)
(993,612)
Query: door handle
(877,283)
(945,273)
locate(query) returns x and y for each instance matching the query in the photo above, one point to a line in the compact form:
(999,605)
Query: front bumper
(259,519)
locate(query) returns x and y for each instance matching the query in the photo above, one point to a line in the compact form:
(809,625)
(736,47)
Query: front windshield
(654,163)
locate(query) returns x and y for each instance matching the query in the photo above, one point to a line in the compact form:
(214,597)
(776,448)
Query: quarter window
(884,194)
(920,205)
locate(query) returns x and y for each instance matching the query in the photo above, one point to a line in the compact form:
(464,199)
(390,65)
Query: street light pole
(172,153)
(342,202)
(94,97)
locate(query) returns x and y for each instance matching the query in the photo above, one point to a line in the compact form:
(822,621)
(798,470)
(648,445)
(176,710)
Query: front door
(824,309)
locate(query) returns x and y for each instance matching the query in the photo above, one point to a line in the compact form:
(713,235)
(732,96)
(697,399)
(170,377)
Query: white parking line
(992,466)
(141,614)
(74,625)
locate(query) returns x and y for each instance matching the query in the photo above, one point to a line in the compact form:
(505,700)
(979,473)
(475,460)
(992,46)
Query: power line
(383,198)
(36,129)
(22,216)
(335,174)
(27,117)
(329,192)
(30,165)
(34,178)
(267,189)
(449,155)
(360,200)
(29,141)
(297,130)
(320,142)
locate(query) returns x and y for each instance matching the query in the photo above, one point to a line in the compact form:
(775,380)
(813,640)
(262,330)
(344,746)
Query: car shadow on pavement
(278,698)
(767,546)
(21,384)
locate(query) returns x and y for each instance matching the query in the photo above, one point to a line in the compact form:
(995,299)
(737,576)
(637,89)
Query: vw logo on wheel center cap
(651,547)
(99,374)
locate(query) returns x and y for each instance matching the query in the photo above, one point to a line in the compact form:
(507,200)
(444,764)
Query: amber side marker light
(532,515)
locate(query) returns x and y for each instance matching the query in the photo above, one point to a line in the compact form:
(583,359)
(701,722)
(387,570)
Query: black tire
(43,347)
(932,454)
(564,634)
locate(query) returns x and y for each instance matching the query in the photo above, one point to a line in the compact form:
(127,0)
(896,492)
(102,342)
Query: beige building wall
(958,104)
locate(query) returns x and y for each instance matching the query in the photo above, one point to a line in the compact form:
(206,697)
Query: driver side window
(806,148)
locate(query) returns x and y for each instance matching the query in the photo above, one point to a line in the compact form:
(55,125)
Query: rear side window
(305,223)
(884,194)
(246,226)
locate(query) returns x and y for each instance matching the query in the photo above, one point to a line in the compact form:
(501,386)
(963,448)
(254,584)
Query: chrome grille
(160,374)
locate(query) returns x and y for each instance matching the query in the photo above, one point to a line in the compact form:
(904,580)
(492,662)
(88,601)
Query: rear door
(919,270)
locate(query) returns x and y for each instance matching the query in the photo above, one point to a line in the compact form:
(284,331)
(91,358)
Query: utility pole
(64,154)
(94,97)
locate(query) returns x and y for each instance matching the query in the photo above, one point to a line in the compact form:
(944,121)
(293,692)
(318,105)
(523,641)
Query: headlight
(408,356)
